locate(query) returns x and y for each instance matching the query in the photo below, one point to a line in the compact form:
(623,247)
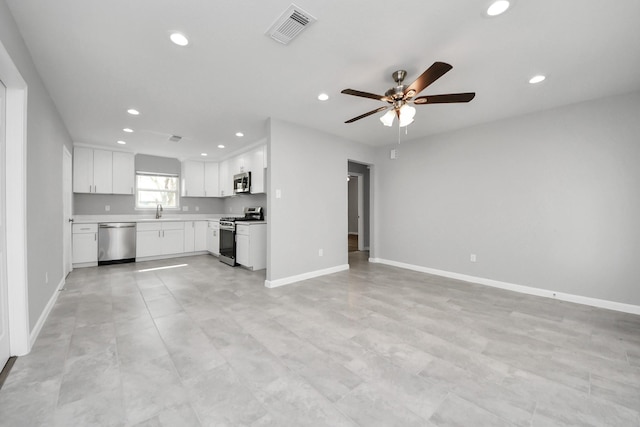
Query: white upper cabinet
(211,179)
(257,156)
(82,170)
(200,179)
(92,171)
(123,173)
(226,179)
(103,171)
(192,179)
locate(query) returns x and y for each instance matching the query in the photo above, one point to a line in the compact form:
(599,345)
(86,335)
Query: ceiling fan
(400,96)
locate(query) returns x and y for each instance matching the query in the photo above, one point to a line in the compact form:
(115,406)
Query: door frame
(16,207)
(67,199)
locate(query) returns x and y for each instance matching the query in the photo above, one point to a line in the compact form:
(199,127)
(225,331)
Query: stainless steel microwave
(242,183)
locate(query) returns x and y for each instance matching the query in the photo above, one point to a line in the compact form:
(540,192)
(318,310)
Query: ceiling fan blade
(433,73)
(367,114)
(445,99)
(364,94)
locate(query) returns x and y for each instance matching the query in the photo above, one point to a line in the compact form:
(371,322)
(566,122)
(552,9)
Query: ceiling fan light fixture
(407,114)
(387,118)
(498,7)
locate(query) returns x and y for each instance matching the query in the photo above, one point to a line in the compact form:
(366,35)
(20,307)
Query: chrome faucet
(159,211)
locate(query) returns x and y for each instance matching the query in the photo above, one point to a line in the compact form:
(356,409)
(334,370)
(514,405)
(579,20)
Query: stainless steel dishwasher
(116,242)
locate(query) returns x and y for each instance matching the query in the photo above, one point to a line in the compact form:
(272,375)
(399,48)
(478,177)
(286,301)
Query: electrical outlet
(197,208)
(473,258)
(320,252)
(107,208)
(278,193)
(185,209)
(230,210)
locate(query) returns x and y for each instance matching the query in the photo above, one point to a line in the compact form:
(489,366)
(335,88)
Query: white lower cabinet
(148,242)
(195,236)
(213,237)
(251,245)
(85,243)
(159,238)
(243,246)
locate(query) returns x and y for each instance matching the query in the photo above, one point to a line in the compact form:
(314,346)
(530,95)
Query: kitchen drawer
(173,225)
(85,228)
(149,226)
(242,230)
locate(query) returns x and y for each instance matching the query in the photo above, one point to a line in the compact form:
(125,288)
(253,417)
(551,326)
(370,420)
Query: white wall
(309,168)
(548,200)
(46,134)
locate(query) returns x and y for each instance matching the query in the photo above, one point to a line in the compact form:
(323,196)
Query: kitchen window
(153,189)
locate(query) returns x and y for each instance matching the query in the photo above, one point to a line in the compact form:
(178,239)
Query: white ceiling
(99,58)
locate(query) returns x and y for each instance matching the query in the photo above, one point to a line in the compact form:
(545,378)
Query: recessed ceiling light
(121,142)
(133,111)
(498,7)
(323,97)
(179,39)
(220,146)
(128,130)
(239,134)
(536,79)
(203,154)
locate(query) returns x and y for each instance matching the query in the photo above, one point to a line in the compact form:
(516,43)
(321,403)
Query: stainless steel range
(228,233)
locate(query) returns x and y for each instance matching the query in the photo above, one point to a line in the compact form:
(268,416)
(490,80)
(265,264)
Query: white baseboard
(45,314)
(304,276)
(579,299)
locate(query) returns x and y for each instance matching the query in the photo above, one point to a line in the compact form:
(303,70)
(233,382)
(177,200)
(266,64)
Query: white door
(4,307)
(67,181)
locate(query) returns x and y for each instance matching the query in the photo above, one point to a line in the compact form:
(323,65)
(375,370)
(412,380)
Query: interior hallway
(206,344)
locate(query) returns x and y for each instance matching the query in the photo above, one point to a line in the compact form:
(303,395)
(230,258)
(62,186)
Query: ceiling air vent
(290,24)
(175,138)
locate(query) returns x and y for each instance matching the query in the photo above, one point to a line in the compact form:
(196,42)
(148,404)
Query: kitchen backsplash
(96,204)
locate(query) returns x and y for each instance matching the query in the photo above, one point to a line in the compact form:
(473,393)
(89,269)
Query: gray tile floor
(207,345)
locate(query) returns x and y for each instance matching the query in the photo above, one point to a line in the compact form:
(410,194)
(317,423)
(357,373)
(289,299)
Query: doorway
(355,208)
(359,202)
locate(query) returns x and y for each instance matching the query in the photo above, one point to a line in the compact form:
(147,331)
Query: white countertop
(92,219)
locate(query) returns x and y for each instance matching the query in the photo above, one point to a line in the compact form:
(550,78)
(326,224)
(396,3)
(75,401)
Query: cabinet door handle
(95,237)
(158,233)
